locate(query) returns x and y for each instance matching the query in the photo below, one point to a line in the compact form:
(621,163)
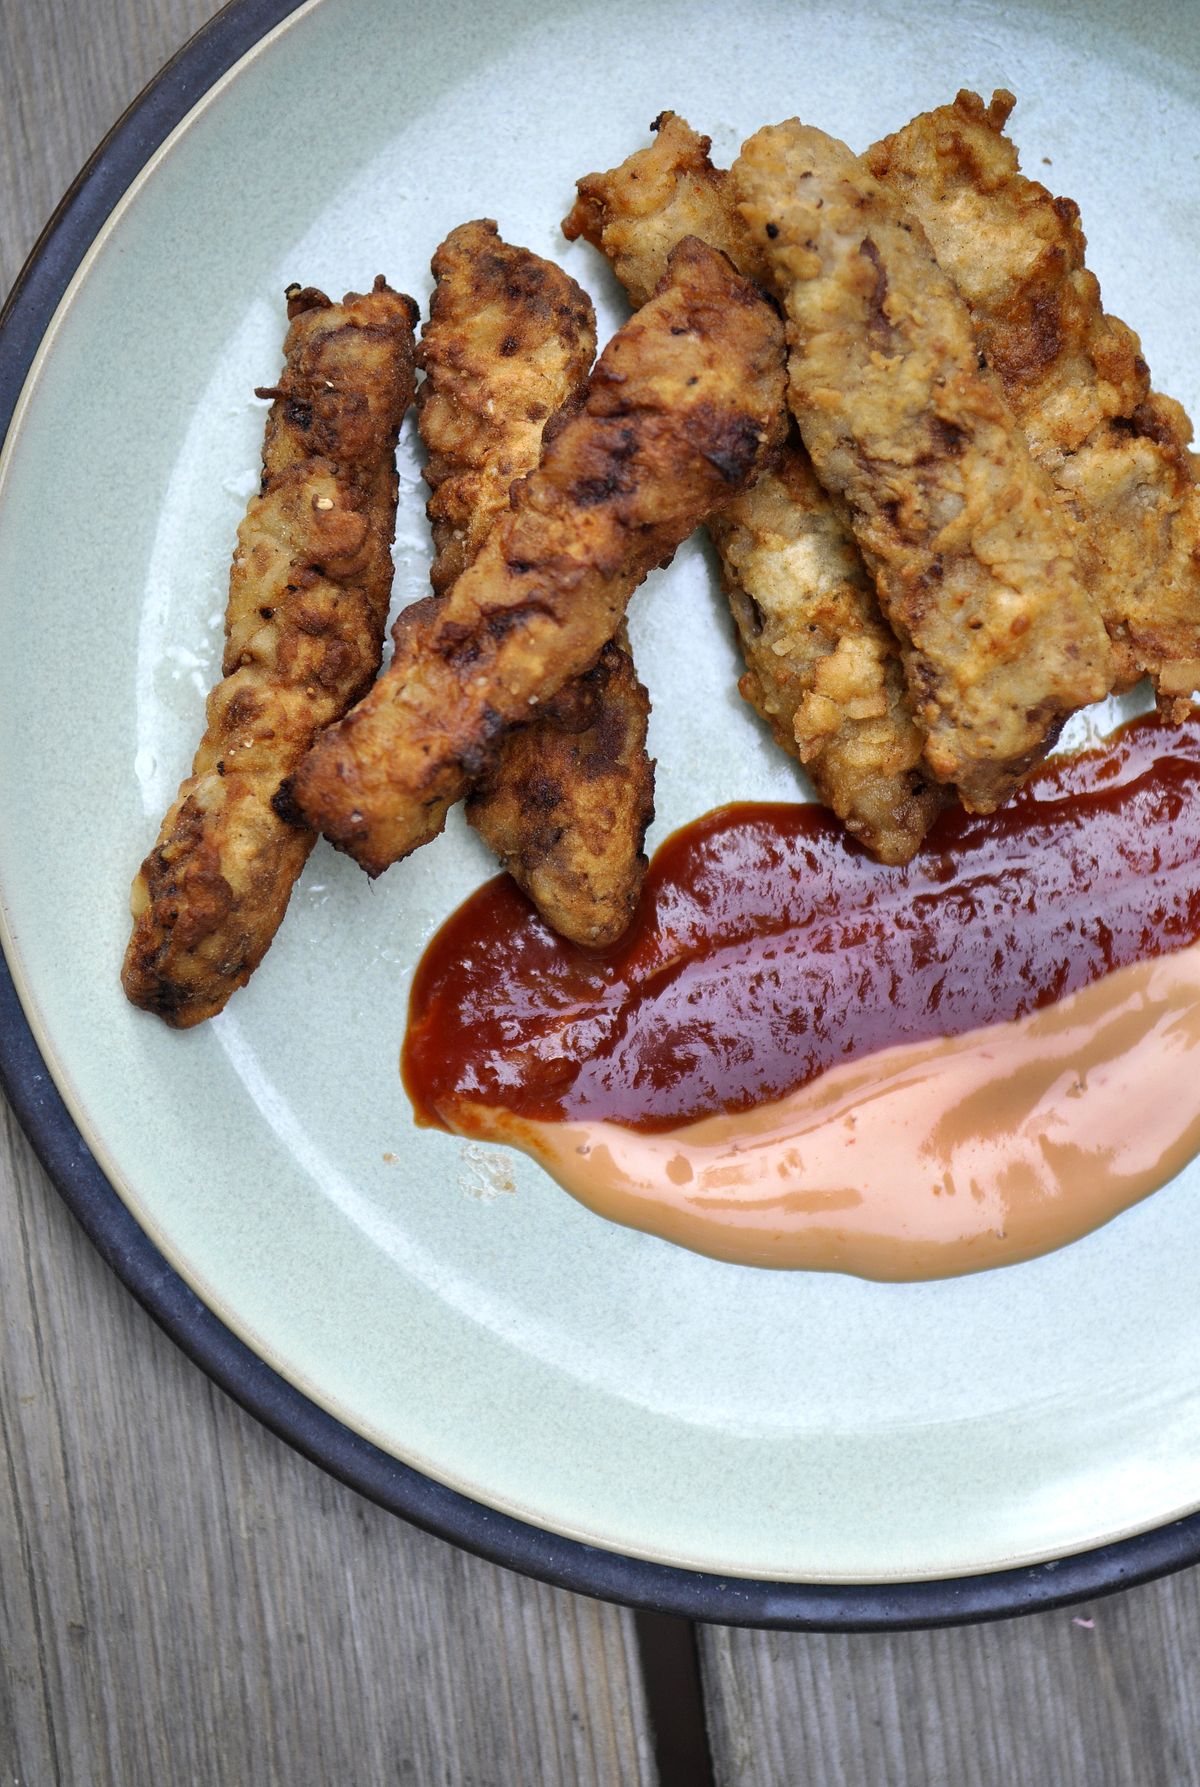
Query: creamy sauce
(798,1057)
(925,1160)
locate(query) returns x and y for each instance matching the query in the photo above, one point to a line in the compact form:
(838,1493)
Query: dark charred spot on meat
(772,231)
(541,794)
(501,622)
(509,346)
(285,807)
(877,319)
(298,413)
(589,493)
(1027,352)
(1151,424)
(478,757)
(947,438)
(459,646)
(536,412)
(267,613)
(729,442)
(243,710)
(220,766)
(1067,212)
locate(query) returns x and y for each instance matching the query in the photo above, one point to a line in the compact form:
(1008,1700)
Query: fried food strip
(682,407)
(510,339)
(567,811)
(971,554)
(1075,377)
(636,213)
(308,601)
(823,667)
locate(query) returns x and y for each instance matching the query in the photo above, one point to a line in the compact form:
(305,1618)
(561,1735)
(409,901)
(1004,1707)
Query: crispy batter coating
(308,601)
(822,665)
(566,811)
(682,407)
(510,339)
(636,213)
(1074,376)
(971,553)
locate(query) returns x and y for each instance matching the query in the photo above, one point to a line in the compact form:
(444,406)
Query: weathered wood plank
(1040,1700)
(183,1599)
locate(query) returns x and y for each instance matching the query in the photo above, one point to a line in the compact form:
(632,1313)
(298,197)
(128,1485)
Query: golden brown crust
(510,340)
(681,408)
(971,554)
(636,213)
(822,665)
(308,600)
(567,810)
(1118,453)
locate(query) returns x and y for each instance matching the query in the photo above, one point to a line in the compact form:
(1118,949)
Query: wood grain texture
(182,1598)
(1044,1701)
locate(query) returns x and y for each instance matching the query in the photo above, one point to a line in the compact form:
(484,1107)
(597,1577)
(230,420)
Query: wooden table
(185,1600)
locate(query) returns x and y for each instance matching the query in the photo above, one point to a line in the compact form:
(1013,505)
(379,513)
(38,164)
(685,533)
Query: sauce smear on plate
(769,958)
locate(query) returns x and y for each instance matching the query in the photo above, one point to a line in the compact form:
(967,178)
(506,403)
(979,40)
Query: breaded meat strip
(510,339)
(565,806)
(308,602)
(682,407)
(1075,377)
(971,554)
(823,667)
(636,213)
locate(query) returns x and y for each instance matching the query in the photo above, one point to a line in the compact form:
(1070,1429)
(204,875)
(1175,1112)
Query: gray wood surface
(183,1600)
(1041,1702)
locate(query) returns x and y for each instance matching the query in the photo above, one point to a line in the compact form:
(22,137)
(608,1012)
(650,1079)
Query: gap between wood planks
(670,1659)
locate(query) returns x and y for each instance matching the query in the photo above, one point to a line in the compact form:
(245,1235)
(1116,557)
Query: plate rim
(27,315)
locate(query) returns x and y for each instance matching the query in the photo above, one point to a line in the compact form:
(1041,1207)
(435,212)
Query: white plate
(444,1299)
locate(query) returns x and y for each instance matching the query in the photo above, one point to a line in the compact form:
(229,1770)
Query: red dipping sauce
(767,948)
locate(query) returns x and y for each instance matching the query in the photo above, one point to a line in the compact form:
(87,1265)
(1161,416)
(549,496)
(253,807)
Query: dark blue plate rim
(565,1563)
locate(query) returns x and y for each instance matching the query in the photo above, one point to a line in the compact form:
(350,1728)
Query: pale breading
(971,554)
(822,665)
(1075,377)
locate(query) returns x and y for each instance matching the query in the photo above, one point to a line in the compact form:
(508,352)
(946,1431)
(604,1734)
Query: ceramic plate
(445,1300)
